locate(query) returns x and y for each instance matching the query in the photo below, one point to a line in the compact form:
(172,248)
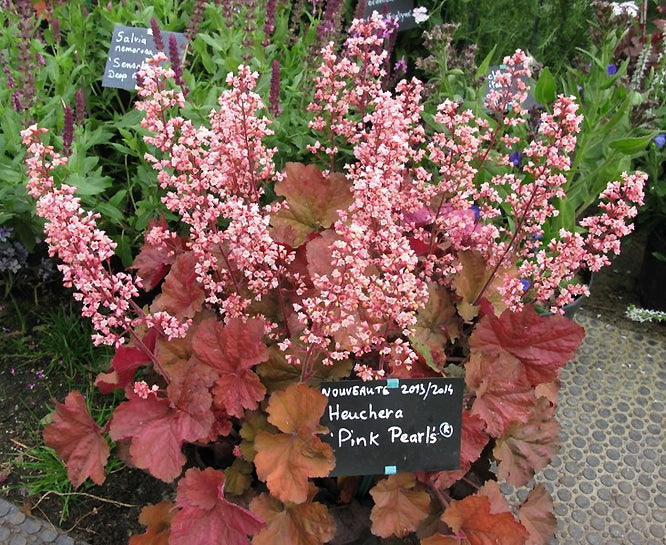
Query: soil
(108,514)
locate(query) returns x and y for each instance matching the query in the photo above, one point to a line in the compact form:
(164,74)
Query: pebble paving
(609,480)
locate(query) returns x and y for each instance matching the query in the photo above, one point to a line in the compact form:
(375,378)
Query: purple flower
(515,158)
(176,65)
(611,69)
(274,95)
(525,284)
(660,140)
(400,66)
(67,131)
(80,107)
(157,34)
(476,210)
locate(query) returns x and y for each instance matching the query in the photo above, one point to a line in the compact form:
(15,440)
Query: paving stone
(30,525)
(18,540)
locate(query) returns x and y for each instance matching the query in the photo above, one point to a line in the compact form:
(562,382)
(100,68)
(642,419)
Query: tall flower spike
(176,62)
(67,131)
(157,34)
(274,96)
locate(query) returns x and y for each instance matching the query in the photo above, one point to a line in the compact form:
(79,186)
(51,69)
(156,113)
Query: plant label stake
(130,48)
(394,425)
(400,9)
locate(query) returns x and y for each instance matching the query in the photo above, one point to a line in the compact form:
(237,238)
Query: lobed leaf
(529,447)
(78,440)
(286,460)
(232,350)
(313,201)
(536,514)
(503,392)
(205,516)
(472,517)
(157,431)
(157,519)
(181,295)
(307,523)
(544,344)
(399,506)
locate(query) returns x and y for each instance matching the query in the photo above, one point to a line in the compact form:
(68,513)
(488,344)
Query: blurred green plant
(54,59)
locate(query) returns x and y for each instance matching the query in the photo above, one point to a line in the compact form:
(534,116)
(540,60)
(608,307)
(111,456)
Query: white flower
(420,15)
(628,8)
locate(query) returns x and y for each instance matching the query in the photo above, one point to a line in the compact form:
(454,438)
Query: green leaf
(482,70)
(545,91)
(632,145)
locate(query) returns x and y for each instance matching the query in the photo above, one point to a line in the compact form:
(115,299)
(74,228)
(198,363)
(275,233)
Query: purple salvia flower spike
(67,131)
(157,34)
(79,107)
(274,96)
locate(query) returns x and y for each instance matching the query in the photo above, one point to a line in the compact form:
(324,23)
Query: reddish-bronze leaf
(153,261)
(78,440)
(125,361)
(306,523)
(205,516)
(472,518)
(436,326)
(312,200)
(529,447)
(536,514)
(400,506)
(189,387)
(503,393)
(277,373)
(286,460)
(158,431)
(498,502)
(470,281)
(157,520)
(232,350)
(181,296)
(473,440)
(544,344)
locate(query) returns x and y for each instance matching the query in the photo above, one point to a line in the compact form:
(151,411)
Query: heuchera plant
(423,256)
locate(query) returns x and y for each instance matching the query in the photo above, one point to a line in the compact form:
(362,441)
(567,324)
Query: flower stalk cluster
(461,210)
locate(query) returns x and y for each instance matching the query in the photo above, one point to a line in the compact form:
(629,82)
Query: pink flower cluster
(453,210)
(73,236)
(217,173)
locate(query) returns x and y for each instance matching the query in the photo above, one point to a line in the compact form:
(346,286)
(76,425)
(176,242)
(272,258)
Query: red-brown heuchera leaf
(157,520)
(472,442)
(158,431)
(536,514)
(78,440)
(544,344)
(306,523)
(503,393)
(313,202)
(400,506)
(181,296)
(526,448)
(470,281)
(472,518)
(125,361)
(153,262)
(286,460)
(436,326)
(205,516)
(232,350)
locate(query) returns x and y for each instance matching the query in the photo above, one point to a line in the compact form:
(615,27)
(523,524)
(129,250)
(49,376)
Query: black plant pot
(652,277)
